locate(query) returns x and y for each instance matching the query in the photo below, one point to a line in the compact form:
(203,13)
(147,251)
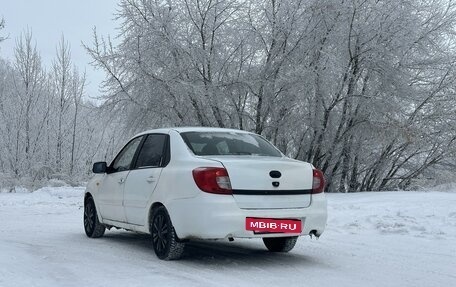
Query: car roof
(190,129)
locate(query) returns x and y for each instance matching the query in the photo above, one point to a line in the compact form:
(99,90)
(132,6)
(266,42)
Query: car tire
(280,244)
(93,228)
(164,239)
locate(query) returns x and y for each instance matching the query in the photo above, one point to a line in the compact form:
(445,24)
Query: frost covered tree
(28,88)
(2,26)
(78,83)
(61,76)
(362,89)
(49,130)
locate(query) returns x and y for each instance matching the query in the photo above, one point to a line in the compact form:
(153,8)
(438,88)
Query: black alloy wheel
(160,233)
(93,228)
(164,239)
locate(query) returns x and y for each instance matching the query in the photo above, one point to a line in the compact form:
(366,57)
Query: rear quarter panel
(176,180)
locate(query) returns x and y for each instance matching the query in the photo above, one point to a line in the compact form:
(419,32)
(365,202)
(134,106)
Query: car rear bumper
(211,216)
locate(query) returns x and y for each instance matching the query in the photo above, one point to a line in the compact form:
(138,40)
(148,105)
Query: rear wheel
(93,228)
(164,238)
(280,244)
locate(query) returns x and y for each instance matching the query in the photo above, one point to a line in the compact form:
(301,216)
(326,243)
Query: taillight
(318,183)
(212,180)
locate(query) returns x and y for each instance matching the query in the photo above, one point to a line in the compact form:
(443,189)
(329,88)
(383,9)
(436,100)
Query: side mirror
(100,167)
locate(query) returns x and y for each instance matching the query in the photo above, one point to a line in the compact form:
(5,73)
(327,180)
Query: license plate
(270,225)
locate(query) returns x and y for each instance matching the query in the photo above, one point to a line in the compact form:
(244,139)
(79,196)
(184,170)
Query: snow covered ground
(372,239)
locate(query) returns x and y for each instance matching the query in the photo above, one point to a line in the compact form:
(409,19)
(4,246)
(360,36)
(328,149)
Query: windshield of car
(228,143)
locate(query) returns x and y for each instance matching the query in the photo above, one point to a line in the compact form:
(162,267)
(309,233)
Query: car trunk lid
(268,182)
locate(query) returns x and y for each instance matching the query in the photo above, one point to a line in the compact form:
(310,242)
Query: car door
(110,196)
(143,178)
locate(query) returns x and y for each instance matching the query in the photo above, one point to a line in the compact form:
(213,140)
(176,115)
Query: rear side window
(152,153)
(228,143)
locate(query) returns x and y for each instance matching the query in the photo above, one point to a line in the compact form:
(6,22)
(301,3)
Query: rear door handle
(121,180)
(150,179)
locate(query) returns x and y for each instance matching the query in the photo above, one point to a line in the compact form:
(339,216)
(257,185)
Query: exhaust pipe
(314,233)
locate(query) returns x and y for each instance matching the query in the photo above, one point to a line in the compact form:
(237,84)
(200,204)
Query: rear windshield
(228,143)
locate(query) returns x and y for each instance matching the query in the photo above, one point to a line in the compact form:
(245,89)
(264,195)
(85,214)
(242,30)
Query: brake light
(318,183)
(212,180)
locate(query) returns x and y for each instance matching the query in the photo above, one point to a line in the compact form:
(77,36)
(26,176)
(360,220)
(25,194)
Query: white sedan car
(180,184)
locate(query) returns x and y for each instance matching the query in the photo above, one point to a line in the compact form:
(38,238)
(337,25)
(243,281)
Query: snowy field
(372,239)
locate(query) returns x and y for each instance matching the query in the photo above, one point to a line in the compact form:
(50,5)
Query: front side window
(228,143)
(125,157)
(152,151)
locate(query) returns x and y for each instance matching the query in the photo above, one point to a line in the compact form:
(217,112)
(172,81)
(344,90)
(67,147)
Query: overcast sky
(48,19)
